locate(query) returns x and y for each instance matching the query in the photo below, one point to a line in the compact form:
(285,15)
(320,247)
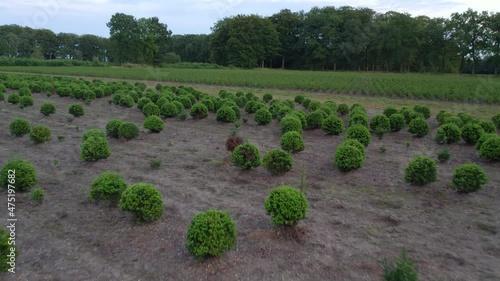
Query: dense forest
(325,38)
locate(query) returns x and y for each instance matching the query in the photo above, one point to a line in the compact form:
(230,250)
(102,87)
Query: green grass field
(482,89)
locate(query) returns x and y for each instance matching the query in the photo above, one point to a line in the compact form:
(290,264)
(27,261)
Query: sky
(197,16)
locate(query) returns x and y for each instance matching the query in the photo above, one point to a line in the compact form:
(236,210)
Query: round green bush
(490,149)
(299,99)
(23,178)
(209,104)
(144,201)
(246,156)
(13,98)
(471,133)
(380,123)
(355,143)
(185,101)
(299,114)
(348,158)
(26,101)
(488,127)
(454,120)
(2,97)
(128,130)
(48,108)
(226,114)
(397,122)
(411,115)
(292,141)
(442,116)
(313,106)
(94,148)
(161,101)
(263,116)
(24,91)
(389,111)
(290,123)
(76,110)
(421,171)
(465,117)
(151,109)
(154,124)
(5,250)
(40,134)
(127,101)
(359,133)
(424,110)
(108,187)
(286,205)
(496,120)
(484,138)
(468,178)
(112,128)
(211,233)
(142,102)
(419,127)
(284,111)
(19,127)
(444,155)
(180,106)
(358,118)
(305,102)
(267,98)
(95,133)
(315,119)
(169,110)
(199,111)
(333,125)
(343,109)
(448,134)
(237,111)
(277,161)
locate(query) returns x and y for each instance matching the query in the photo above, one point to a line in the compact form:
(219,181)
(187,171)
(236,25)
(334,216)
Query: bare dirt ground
(354,219)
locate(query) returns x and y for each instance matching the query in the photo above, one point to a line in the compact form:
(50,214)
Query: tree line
(327,38)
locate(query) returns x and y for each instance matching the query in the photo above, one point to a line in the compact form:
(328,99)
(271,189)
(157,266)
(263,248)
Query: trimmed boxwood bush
(380,124)
(263,116)
(128,130)
(468,178)
(48,108)
(95,133)
(421,171)
(209,104)
(2,97)
(471,133)
(358,118)
(5,250)
(442,116)
(390,110)
(286,205)
(24,91)
(142,102)
(465,117)
(25,175)
(343,109)
(199,111)
(237,111)
(426,112)
(19,127)
(299,99)
(292,141)
(151,109)
(290,123)
(315,119)
(26,101)
(448,133)
(301,115)
(185,101)
(313,106)
(169,110)
(400,269)
(333,125)
(154,124)
(277,161)
(397,121)
(144,201)
(94,148)
(488,127)
(246,156)
(226,114)
(443,155)
(355,143)
(180,107)
(348,157)
(13,98)
(482,139)
(127,101)
(76,110)
(112,128)
(496,120)
(419,127)
(267,98)
(490,149)
(306,102)
(108,187)
(211,233)
(40,134)
(454,120)
(359,133)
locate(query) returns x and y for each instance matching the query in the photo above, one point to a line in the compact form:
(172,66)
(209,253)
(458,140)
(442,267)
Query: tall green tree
(288,25)
(125,38)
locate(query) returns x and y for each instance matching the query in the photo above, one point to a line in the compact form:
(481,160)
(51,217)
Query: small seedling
(60,138)
(56,162)
(407,144)
(183,116)
(70,119)
(37,195)
(237,124)
(155,163)
(383,149)
(245,120)
(444,155)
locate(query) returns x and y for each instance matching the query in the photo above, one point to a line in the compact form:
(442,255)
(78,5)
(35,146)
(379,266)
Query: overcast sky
(196,16)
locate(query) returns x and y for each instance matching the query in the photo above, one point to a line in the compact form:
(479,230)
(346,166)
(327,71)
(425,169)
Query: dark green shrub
(488,127)
(442,116)
(410,115)
(76,110)
(267,98)
(24,91)
(306,102)
(448,133)
(226,114)
(263,116)
(496,120)
(19,127)
(209,104)
(390,110)
(472,132)
(151,109)
(397,122)
(482,139)
(199,111)
(419,127)
(380,123)
(315,119)
(421,171)
(237,111)
(142,102)
(169,110)
(313,106)
(47,109)
(95,133)
(292,141)
(443,155)
(286,205)
(25,101)
(401,269)
(342,109)
(359,133)
(358,118)
(2,97)
(333,125)
(290,123)
(454,120)
(182,116)
(154,124)
(128,130)
(348,157)
(115,99)
(40,134)
(490,149)
(23,178)
(246,156)
(465,117)
(299,99)
(283,111)
(127,101)
(357,107)
(211,234)
(37,194)
(185,101)
(468,178)
(112,128)
(301,115)
(328,109)
(108,187)
(357,144)
(94,149)
(144,201)
(5,251)
(424,110)
(161,101)
(180,107)
(277,161)
(13,98)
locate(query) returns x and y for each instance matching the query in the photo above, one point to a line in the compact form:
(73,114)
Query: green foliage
(40,134)
(25,101)
(24,91)
(348,158)
(355,143)
(155,163)
(48,108)
(13,98)
(127,101)
(267,98)
(380,123)
(5,250)
(246,156)
(465,117)
(442,116)
(108,187)
(154,124)
(94,149)
(182,116)
(333,125)
(313,106)
(24,175)
(19,127)
(306,102)
(358,118)
(199,111)
(419,127)
(468,178)
(490,149)
(277,161)
(397,122)
(286,205)
(390,110)
(471,133)
(37,194)
(359,133)
(292,141)
(144,201)
(315,119)
(185,101)
(443,155)
(2,96)
(95,133)
(263,116)
(211,233)
(424,110)
(488,127)
(128,130)
(142,102)
(299,114)
(290,123)
(401,269)
(454,120)
(421,171)
(209,104)
(151,109)
(482,139)
(169,110)
(299,99)
(448,133)
(496,120)
(226,114)
(343,109)
(112,128)
(76,110)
